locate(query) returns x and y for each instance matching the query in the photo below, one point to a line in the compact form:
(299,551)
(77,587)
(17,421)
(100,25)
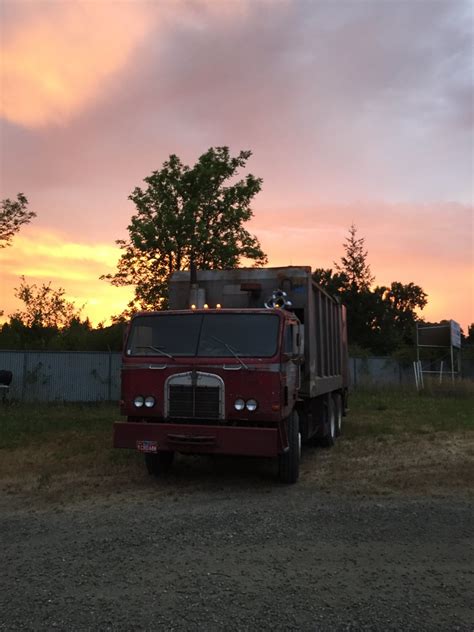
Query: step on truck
(245,362)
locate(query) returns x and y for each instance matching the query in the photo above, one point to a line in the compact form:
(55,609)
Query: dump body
(234,373)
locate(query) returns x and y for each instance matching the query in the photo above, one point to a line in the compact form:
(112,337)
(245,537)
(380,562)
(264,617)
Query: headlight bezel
(241,405)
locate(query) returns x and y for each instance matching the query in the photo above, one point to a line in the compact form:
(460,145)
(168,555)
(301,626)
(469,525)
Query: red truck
(248,362)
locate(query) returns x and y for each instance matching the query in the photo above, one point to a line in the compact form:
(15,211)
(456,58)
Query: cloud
(342,104)
(59,56)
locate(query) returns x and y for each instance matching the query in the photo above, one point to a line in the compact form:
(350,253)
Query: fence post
(109,391)
(23,378)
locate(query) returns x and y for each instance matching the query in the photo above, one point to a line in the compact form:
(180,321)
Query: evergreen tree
(354,264)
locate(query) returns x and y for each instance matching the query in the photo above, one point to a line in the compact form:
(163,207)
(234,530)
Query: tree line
(194,218)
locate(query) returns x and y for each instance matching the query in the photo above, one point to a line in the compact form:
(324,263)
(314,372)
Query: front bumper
(199,439)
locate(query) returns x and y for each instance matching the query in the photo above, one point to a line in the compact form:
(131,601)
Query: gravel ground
(272,558)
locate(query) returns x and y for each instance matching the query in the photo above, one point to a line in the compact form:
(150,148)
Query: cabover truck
(245,362)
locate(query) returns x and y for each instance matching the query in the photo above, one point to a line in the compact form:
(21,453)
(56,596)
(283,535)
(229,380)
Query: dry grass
(440,464)
(394,442)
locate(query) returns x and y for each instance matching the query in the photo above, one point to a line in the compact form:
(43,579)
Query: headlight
(150,402)
(239,404)
(138,401)
(251,405)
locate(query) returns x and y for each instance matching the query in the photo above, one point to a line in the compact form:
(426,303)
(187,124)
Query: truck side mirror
(294,347)
(298,345)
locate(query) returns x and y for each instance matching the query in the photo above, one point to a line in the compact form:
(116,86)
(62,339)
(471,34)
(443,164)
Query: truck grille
(194,395)
(202,402)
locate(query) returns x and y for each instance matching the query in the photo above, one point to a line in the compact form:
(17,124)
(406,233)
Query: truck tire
(338,413)
(329,436)
(159,464)
(289,461)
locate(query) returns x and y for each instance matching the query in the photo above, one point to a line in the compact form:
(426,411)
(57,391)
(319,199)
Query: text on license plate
(147,446)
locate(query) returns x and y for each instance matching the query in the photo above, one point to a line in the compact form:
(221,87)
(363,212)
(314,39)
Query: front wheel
(159,464)
(289,461)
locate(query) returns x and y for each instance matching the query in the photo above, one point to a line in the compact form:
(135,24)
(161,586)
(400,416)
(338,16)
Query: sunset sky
(355,111)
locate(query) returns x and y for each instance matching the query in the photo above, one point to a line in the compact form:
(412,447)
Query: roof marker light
(206,306)
(193,306)
(218,306)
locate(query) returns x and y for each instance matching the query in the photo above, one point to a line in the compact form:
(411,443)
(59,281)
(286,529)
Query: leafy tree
(44,306)
(49,321)
(332,282)
(13,215)
(188,217)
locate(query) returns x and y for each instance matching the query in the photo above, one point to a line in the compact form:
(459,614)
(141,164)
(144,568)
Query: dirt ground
(221,545)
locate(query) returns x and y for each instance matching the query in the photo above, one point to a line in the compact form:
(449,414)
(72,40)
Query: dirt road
(262,557)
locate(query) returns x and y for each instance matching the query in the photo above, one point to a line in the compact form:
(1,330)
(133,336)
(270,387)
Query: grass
(394,441)
(24,424)
(401,411)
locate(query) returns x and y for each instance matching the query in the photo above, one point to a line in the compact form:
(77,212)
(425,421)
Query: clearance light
(206,306)
(218,306)
(193,306)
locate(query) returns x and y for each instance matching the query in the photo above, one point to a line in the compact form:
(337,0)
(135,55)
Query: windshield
(211,335)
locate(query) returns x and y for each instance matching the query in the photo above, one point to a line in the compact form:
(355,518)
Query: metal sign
(445,335)
(455,334)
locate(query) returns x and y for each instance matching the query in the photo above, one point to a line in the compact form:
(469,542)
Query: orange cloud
(57,59)
(55,63)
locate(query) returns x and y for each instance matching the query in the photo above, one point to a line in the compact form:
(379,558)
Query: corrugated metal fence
(81,376)
(63,376)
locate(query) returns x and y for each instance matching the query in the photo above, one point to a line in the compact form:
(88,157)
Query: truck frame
(251,361)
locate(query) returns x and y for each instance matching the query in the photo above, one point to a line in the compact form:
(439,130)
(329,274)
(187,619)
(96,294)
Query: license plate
(147,446)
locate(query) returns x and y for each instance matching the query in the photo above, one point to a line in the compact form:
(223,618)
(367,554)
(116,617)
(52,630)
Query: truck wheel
(289,461)
(160,463)
(338,413)
(329,436)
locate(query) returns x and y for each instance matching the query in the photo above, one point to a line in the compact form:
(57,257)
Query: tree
(45,307)
(379,319)
(187,217)
(354,264)
(13,215)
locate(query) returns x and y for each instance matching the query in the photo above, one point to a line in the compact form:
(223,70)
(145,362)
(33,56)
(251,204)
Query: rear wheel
(329,436)
(338,413)
(289,461)
(159,464)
